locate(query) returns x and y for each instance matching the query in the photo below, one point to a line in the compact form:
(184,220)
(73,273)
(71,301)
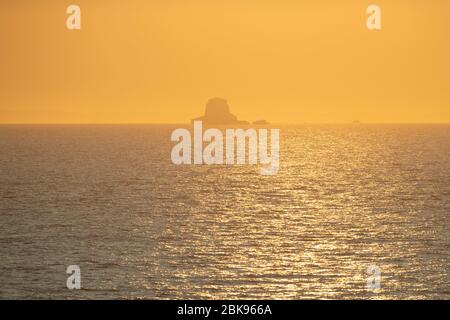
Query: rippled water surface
(108,198)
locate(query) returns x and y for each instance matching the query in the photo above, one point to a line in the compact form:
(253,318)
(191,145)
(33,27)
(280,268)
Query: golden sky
(284,61)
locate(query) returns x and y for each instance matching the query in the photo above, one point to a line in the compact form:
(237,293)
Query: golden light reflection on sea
(108,199)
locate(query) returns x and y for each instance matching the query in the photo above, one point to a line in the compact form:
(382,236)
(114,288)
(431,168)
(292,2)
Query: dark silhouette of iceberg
(217,112)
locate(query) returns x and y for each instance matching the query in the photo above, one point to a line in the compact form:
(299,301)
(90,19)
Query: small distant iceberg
(217,112)
(261,123)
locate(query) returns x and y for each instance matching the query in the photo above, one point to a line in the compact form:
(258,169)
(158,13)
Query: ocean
(108,199)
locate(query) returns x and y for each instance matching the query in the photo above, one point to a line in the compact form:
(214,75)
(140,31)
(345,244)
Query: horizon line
(244,125)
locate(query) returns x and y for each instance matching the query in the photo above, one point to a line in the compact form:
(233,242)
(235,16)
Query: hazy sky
(285,61)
